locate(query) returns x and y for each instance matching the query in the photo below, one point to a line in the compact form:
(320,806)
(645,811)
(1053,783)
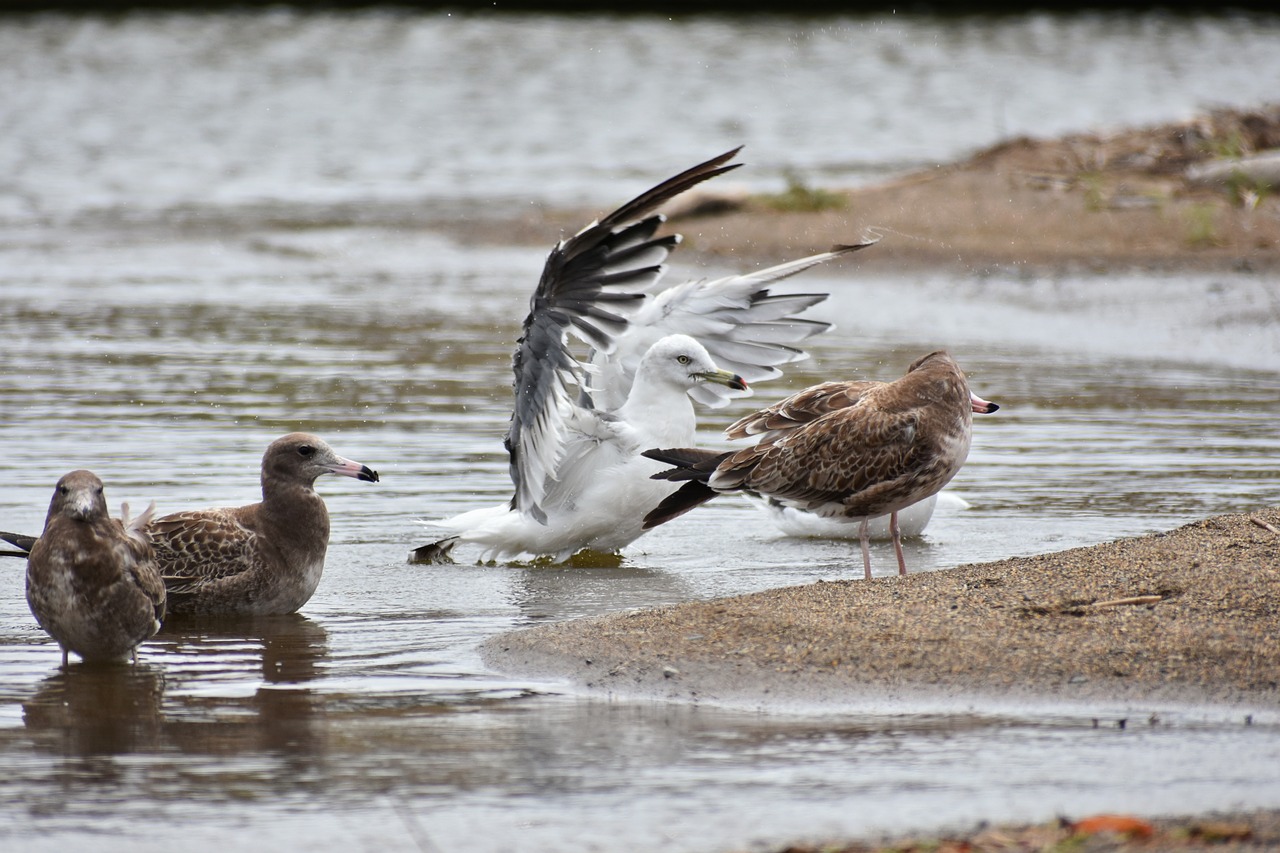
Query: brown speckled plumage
(262,559)
(850,451)
(92,581)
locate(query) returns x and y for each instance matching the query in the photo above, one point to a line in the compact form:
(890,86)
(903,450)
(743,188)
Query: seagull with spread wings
(580,422)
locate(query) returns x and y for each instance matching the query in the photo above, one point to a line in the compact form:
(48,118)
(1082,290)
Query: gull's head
(681,361)
(79,496)
(951,379)
(300,458)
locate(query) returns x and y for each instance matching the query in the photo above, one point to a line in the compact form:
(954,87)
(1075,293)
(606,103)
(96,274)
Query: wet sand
(1190,616)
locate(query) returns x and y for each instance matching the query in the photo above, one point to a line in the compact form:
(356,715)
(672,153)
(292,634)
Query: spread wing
(747,329)
(198,548)
(589,285)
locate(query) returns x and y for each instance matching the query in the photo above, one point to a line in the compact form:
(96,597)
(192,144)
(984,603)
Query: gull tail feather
(18,540)
(689,464)
(691,495)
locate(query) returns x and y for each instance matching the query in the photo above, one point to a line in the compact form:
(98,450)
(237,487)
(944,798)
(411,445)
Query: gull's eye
(682,359)
(307,451)
(64,490)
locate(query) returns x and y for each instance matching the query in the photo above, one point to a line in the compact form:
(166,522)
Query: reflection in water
(87,710)
(554,593)
(288,648)
(165,703)
(279,715)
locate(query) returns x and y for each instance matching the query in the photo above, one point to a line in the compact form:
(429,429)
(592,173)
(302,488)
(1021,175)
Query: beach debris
(1264,525)
(1125,826)
(1131,600)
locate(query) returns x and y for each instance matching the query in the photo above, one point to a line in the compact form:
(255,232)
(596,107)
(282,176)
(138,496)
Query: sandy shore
(1188,616)
(1246,832)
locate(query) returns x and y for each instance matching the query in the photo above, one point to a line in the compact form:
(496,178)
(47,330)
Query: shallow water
(173,308)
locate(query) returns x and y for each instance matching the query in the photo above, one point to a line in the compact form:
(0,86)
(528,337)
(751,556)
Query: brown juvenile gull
(843,450)
(92,580)
(262,559)
(579,482)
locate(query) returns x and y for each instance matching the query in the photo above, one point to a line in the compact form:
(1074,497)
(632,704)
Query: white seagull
(579,423)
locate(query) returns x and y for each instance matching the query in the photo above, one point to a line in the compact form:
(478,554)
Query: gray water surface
(197,262)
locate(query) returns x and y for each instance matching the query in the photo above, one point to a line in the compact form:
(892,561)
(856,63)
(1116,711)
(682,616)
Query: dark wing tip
(689,496)
(436,553)
(18,540)
(845,248)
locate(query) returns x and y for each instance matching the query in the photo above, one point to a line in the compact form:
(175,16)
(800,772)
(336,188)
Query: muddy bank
(1186,616)
(1242,832)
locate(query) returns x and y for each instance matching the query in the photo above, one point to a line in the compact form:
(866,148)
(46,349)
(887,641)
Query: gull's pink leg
(866,548)
(897,542)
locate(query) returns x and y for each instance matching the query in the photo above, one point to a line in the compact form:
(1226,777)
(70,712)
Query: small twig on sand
(1265,526)
(1137,599)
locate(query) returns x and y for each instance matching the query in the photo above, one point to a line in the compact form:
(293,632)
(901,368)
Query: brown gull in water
(92,580)
(580,420)
(848,451)
(261,559)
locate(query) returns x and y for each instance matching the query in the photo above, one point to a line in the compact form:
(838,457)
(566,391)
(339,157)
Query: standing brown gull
(848,451)
(261,559)
(92,580)
(574,454)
